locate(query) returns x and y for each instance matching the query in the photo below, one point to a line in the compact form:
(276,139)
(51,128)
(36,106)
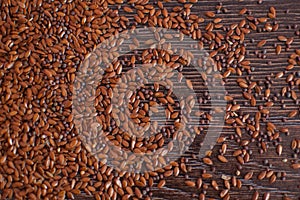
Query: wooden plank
(174,188)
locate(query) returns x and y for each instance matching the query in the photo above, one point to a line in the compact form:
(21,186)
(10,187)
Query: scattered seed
(210,14)
(208,161)
(261,43)
(282,38)
(222,159)
(293,113)
(296,166)
(161,183)
(190,183)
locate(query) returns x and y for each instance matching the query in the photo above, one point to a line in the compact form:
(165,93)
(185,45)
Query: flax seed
(261,43)
(222,158)
(161,183)
(243,11)
(210,14)
(248,176)
(292,113)
(296,166)
(207,161)
(190,183)
(282,38)
(262,175)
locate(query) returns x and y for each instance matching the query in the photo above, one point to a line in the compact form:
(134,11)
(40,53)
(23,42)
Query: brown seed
(266,196)
(202,196)
(294,144)
(262,175)
(210,14)
(252,85)
(243,11)
(199,183)
(271,15)
(176,171)
(238,131)
(3,159)
(272,10)
(223,193)
(217,20)
(263,19)
(189,84)
(278,49)
(289,67)
(222,159)
(206,175)
(296,166)
(267,92)
(208,161)
(61,159)
(239,184)
(243,85)
(224,148)
(252,26)
(273,178)
(294,95)
(161,183)
(127,9)
(269,104)
(228,98)
(138,192)
(275,27)
(261,43)
(237,152)
(282,38)
(255,195)
(190,183)
(215,185)
(289,41)
(168,173)
(247,95)
(226,74)
(279,149)
(235,108)
(279,74)
(248,176)
(293,113)
(290,78)
(269,174)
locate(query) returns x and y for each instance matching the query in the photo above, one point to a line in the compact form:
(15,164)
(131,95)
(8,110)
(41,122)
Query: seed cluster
(44,43)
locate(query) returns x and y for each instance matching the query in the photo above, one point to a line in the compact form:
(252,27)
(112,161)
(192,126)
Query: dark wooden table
(288,16)
(291,186)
